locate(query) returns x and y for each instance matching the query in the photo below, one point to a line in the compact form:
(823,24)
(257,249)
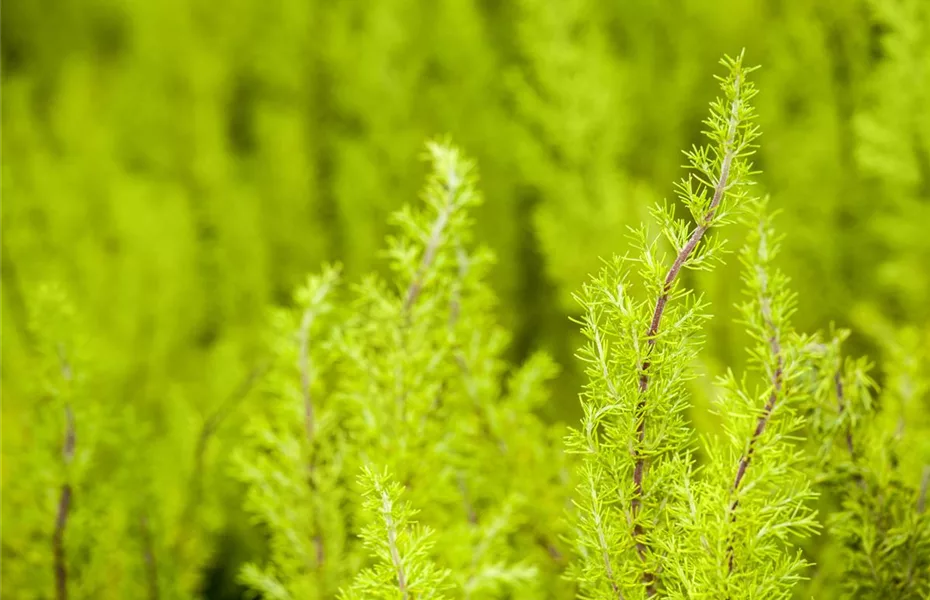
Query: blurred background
(178,166)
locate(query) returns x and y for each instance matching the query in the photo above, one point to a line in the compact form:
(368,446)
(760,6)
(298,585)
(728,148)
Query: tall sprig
(633,438)
(404,569)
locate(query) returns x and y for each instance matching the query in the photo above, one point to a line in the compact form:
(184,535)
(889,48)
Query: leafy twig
(730,153)
(65,496)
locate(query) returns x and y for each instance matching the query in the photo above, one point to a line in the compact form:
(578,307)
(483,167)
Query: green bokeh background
(177,166)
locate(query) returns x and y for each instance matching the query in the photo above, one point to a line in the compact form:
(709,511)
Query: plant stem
(305,366)
(602,543)
(777,383)
(58,546)
(432,246)
(730,153)
(65,496)
(386,507)
(841,402)
(210,425)
(151,566)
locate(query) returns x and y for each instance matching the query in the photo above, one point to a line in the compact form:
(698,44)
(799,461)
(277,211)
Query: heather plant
(381,432)
(64,433)
(651,520)
(401,382)
(643,329)
(873,462)
(87,512)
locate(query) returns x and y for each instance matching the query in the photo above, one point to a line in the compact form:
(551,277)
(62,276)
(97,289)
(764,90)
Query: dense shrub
(392,428)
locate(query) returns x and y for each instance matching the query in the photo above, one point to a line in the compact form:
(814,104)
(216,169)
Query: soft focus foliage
(178,422)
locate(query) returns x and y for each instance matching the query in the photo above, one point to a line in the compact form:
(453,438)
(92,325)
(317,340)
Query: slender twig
(924,484)
(386,507)
(602,544)
(432,246)
(840,388)
(58,545)
(921,505)
(305,367)
(730,154)
(777,384)
(65,496)
(417,283)
(841,408)
(304,364)
(210,426)
(148,554)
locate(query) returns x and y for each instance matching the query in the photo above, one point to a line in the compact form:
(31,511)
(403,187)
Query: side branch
(602,544)
(305,366)
(730,153)
(148,555)
(65,496)
(386,507)
(58,543)
(306,322)
(841,407)
(432,247)
(777,383)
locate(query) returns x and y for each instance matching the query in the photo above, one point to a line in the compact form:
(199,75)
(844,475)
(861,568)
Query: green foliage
(742,522)
(402,549)
(404,377)
(650,521)
(171,170)
(874,465)
(289,463)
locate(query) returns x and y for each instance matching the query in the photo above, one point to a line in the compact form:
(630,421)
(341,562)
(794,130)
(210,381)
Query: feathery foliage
(404,568)
(390,430)
(643,334)
(372,383)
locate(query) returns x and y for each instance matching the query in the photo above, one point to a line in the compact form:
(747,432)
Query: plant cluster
(390,450)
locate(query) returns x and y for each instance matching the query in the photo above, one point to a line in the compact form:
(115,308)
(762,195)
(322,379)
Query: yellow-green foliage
(173,170)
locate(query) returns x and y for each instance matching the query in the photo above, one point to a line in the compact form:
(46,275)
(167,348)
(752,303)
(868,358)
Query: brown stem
(148,553)
(386,507)
(210,425)
(841,402)
(602,544)
(777,382)
(551,549)
(58,543)
(924,484)
(649,578)
(310,423)
(304,366)
(65,496)
(432,247)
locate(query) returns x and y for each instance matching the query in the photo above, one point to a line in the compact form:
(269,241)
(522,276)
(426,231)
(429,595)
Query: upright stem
(305,366)
(58,545)
(210,425)
(730,153)
(386,508)
(840,388)
(151,566)
(309,417)
(924,484)
(416,284)
(65,495)
(777,383)
(602,544)
(841,402)
(432,246)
